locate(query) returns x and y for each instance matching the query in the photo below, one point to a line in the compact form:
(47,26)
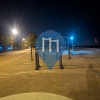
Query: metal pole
(72,44)
(42,44)
(14,42)
(50,45)
(68,50)
(36,60)
(60,62)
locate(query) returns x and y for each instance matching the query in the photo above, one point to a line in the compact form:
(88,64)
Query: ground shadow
(93,87)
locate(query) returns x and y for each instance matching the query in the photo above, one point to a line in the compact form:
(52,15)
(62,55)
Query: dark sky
(81,19)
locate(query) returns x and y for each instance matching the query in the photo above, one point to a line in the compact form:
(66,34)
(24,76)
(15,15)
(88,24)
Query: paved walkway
(79,80)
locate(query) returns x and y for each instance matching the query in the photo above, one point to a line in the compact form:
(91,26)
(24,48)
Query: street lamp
(23,39)
(72,38)
(14,31)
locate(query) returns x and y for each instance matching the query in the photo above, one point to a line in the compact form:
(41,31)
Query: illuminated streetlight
(14,31)
(23,39)
(72,38)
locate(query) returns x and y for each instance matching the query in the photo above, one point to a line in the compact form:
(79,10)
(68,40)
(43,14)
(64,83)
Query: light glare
(14,31)
(23,39)
(71,37)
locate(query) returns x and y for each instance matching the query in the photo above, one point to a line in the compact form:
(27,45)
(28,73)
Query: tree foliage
(6,39)
(31,38)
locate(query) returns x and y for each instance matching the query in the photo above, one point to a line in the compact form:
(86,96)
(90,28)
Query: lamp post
(72,41)
(23,39)
(14,31)
(23,42)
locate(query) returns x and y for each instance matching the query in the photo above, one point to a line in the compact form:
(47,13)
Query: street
(79,80)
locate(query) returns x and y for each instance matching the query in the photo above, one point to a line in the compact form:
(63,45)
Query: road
(79,80)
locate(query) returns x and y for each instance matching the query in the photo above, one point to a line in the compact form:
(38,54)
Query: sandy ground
(79,80)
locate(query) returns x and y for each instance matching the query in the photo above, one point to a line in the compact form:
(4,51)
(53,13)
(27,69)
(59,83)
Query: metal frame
(50,41)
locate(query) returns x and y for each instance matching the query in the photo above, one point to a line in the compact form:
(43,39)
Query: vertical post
(14,42)
(57,45)
(72,44)
(68,49)
(42,44)
(49,44)
(31,53)
(36,60)
(57,49)
(60,62)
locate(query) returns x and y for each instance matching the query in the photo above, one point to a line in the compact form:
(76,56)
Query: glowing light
(14,31)
(23,39)
(71,37)
(0,48)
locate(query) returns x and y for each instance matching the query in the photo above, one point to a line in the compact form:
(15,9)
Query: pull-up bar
(50,42)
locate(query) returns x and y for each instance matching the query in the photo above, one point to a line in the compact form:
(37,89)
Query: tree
(3,38)
(6,40)
(31,40)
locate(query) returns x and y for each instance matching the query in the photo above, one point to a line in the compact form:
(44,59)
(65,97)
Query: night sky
(80,19)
